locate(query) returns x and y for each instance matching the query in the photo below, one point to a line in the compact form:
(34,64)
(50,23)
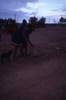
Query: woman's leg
(25,48)
(21,51)
(15,51)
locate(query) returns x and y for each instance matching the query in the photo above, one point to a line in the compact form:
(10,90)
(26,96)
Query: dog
(6,56)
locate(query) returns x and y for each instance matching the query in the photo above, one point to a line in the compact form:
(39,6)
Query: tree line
(32,20)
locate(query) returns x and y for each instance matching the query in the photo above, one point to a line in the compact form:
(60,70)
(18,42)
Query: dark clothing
(21,35)
(18,36)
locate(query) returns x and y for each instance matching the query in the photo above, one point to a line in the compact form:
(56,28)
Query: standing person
(26,34)
(18,39)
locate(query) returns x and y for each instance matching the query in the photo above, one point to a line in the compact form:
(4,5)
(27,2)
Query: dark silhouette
(62,19)
(0,33)
(33,21)
(10,28)
(6,56)
(20,38)
(41,22)
(26,39)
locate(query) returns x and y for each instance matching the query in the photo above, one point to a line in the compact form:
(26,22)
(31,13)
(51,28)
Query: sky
(52,10)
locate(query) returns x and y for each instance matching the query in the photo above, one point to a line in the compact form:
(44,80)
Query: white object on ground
(57,48)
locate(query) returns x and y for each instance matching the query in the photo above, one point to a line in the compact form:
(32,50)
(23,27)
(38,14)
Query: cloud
(8,8)
(55,10)
(33,8)
(13,4)
(41,8)
(63,9)
(28,8)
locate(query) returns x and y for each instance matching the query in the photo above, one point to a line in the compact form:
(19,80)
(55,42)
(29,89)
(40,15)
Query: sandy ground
(40,77)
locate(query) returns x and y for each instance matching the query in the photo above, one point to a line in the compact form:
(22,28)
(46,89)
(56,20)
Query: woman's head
(24,22)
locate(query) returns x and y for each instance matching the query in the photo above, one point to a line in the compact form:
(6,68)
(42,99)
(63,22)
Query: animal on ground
(6,56)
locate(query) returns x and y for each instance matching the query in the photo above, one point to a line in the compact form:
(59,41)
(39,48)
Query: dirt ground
(40,77)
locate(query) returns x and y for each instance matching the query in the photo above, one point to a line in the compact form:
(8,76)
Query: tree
(42,21)
(1,21)
(11,21)
(62,20)
(33,20)
(65,19)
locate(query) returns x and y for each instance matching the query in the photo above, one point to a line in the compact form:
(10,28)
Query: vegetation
(33,20)
(4,22)
(62,20)
(41,22)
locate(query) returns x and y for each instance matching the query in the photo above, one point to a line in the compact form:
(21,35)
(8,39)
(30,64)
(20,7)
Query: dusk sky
(24,9)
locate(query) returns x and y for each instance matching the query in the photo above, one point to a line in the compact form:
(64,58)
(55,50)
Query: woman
(20,38)
(17,38)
